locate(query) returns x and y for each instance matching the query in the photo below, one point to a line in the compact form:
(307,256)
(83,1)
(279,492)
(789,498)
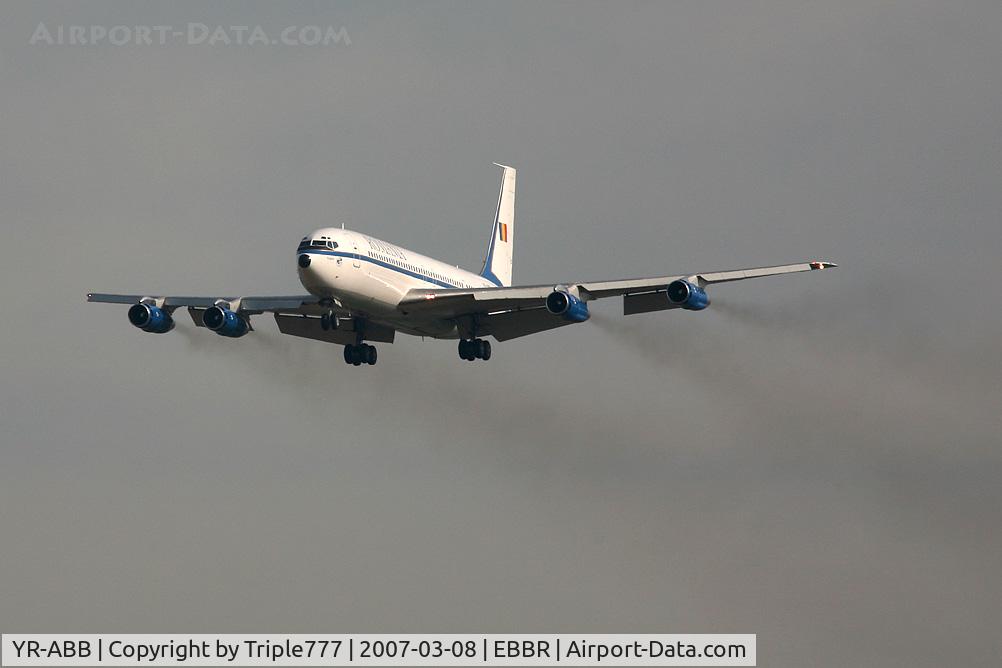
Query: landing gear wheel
(325,322)
(352,354)
(471,349)
(358,354)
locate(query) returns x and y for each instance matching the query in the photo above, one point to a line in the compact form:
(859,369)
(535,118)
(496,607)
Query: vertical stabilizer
(497,265)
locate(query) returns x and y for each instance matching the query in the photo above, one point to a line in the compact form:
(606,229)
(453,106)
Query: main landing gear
(359,353)
(474,349)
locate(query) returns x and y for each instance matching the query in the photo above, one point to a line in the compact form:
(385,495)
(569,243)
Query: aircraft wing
(639,285)
(510,312)
(287,304)
(292,313)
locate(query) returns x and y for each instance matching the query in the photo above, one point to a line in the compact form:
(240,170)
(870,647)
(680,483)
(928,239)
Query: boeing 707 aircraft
(362,289)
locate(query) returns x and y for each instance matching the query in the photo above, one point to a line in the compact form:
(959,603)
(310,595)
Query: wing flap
(454,303)
(278,304)
(646,302)
(513,324)
(309,328)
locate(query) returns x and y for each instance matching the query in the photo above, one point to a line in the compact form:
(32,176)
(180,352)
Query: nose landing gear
(328,321)
(473,349)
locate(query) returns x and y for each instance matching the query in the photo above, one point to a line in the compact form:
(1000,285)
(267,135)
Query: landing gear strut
(360,353)
(473,349)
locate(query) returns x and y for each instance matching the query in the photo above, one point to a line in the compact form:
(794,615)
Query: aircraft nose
(304,261)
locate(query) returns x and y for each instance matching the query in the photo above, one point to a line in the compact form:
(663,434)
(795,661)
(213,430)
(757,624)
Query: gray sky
(815,459)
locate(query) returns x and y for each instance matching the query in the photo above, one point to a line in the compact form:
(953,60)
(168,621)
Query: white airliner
(364,289)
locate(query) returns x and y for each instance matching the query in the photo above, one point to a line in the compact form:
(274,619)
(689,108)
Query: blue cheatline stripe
(489,275)
(366,258)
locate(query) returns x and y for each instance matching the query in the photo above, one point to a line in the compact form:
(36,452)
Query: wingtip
(498,164)
(822,264)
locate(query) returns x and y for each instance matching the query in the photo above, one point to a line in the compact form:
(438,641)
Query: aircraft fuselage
(369,277)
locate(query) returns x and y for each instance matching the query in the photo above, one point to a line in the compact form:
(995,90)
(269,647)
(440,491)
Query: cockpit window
(308,244)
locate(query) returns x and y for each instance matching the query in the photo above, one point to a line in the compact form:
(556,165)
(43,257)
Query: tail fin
(497,265)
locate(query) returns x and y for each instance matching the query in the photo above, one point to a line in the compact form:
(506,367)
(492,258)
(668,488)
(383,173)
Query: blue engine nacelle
(570,307)
(688,296)
(225,322)
(150,318)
